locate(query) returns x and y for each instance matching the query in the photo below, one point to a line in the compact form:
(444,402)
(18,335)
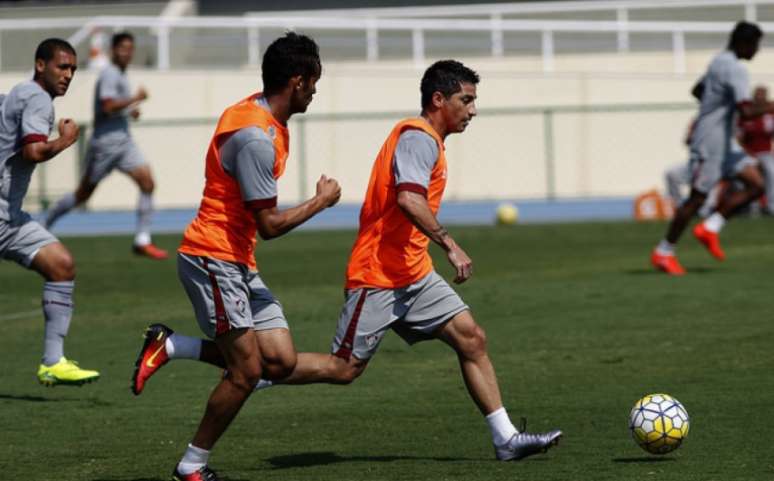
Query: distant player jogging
(391,283)
(26,121)
(715,151)
(216,260)
(111,146)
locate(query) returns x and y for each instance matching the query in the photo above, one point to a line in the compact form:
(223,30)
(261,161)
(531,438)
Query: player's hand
(141,94)
(69,130)
(134,113)
(329,190)
(461,263)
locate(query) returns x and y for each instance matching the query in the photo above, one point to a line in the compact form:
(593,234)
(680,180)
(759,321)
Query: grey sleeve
(248,156)
(109,84)
(36,117)
(415,157)
(739,83)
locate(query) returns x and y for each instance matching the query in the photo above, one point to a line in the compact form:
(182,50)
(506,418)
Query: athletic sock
(57,311)
(144,214)
(665,248)
(61,208)
(262,384)
(183,347)
(193,459)
(715,222)
(501,426)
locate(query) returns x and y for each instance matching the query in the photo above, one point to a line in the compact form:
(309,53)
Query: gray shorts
(708,167)
(108,152)
(228,296)
(414,313)
(21,239)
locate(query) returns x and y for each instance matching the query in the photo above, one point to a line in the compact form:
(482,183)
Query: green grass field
(579,328)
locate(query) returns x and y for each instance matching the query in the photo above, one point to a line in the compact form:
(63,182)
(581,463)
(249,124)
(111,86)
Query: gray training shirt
(248,156)
(111,84)
(414,159)
(26,116)
(726,84)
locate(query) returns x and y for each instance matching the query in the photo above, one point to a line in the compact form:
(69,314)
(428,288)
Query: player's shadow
(35,399)
(653,272)
(305,460)
(643,460)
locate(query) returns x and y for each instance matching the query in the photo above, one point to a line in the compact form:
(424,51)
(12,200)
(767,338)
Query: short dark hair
(445,76)
(48,47)
(120,37)
(286,57)
(744,33)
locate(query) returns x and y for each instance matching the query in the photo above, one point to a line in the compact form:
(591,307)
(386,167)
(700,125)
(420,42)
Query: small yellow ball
(507,214)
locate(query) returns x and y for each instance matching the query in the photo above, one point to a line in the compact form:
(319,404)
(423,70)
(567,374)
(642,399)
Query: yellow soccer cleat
(65,372)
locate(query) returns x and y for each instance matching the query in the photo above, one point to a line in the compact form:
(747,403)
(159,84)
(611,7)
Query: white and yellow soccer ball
(507,214)
(659,423)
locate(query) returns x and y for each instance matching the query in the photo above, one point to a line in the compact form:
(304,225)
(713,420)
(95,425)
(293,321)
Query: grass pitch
(579,328)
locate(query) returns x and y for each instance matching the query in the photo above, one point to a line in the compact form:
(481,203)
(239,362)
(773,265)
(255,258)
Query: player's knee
(473,342)
(245,377)
(63,267)
(147,186)
(349,371)
(280,367)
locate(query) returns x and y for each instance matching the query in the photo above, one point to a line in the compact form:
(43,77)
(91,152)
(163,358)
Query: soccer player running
(391,283)
(715,151)
(111,146)
(26,121)
(756,135)
(216,262)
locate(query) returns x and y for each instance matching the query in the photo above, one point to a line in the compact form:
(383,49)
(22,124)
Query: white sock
(715,222)
(501,426)
(193,459)
(665,248)
(183,347)
(144,214)
(263,384)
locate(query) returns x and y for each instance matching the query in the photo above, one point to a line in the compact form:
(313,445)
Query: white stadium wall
(502,155)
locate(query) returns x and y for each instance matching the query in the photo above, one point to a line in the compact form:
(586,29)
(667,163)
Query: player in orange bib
(391,283)
(216,261)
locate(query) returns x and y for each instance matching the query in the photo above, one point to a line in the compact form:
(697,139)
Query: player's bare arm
(45,150)
(112,106)
(415,206)
(273,222)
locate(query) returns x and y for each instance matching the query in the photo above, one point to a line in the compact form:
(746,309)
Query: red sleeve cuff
(416,188)
(261,203)
(32,138)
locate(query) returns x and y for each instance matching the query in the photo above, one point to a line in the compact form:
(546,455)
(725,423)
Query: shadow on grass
(652,271)
(643,459)
(35,399)
(305,460)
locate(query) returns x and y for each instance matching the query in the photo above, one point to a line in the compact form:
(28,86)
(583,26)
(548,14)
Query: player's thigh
(218,292)
(463,334)
(366,316)
(434,303)
(31,245)
(102,156)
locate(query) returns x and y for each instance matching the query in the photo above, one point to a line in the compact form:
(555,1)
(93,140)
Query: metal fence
(542,152)
(542,29)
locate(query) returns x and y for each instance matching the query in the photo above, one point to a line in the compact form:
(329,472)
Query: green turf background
(579,328)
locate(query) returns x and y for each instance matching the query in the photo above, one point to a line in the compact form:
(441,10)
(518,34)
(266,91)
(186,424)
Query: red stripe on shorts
(221,319)
(345,350)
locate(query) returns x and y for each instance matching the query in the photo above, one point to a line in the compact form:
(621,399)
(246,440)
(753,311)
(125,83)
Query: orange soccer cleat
(711,241)
(666,263)
(152,356)
(151,251)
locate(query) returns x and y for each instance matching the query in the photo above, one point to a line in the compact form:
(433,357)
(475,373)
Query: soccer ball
(659,423)
(507,214)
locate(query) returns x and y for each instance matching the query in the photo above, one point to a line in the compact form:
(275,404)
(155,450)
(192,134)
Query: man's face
(303,94)
(748,51)
(760,95)
(460,108)
(123,53)
(57,73)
